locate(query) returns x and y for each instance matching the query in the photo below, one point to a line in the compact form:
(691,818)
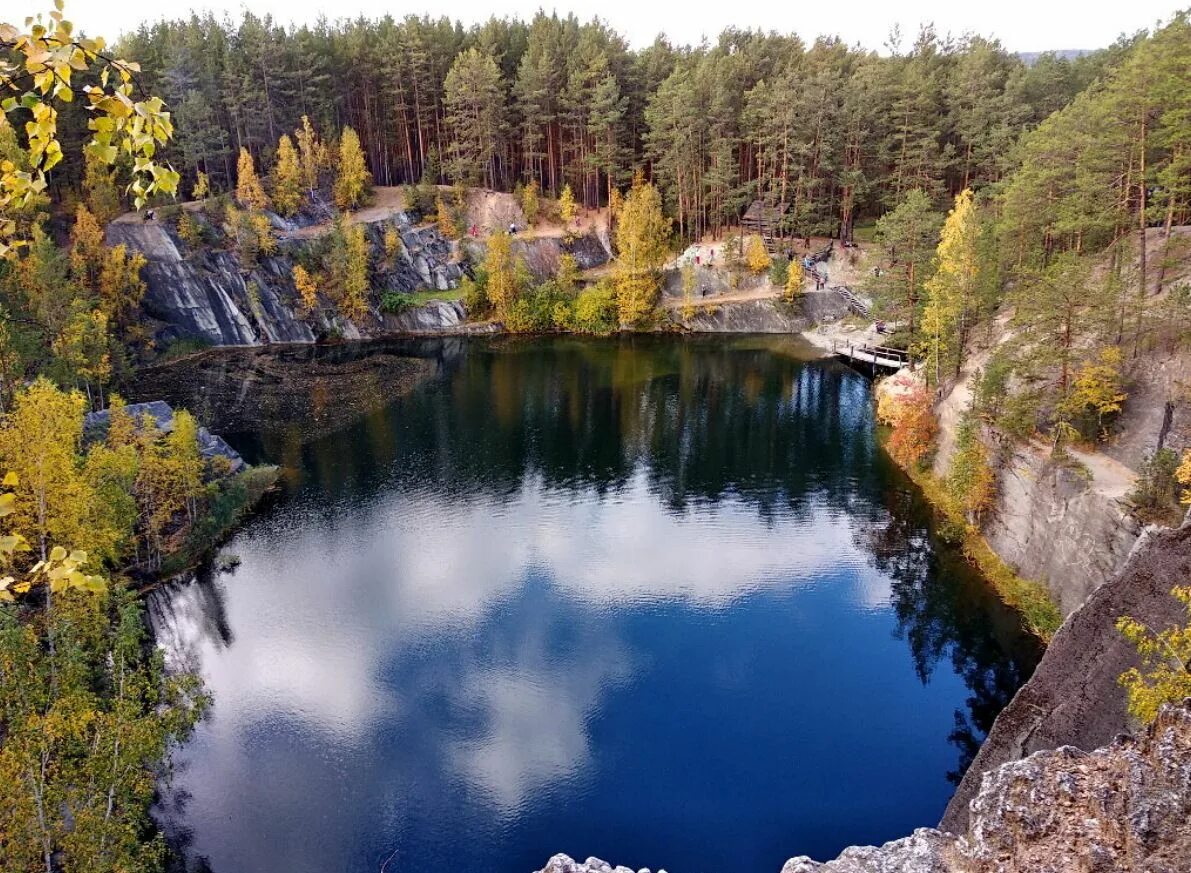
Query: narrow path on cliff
(1109,476)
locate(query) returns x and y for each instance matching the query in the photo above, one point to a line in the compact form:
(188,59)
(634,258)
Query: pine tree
(249,192)
(287,178)
(474,105)
(353,182)
(908,236)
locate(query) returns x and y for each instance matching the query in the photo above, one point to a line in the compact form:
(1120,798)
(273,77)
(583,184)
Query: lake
(661,600)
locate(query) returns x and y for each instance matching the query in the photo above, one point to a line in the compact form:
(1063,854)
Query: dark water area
(660,600)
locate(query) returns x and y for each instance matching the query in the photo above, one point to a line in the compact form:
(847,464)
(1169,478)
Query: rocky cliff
(206,293)
(541,254)
(1074,698)
(1063,521)
(294,394)
(759,314)
(1124,808)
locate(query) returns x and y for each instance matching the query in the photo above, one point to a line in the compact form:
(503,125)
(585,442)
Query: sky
(1021,25)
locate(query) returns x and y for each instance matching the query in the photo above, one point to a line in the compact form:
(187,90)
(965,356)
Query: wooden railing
(880,356)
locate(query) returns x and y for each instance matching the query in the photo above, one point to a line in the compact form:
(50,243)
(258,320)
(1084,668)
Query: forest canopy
(839,133)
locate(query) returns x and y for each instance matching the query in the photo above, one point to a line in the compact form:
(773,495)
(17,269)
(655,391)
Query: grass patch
(1031,599)
(395,301)
(184,347)
(863,233)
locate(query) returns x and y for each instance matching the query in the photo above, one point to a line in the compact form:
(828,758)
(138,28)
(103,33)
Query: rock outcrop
(541,254)
(566,864)
(207,294)
(211,446)
(1058,522)
(1074,698)
(1122,808)
(297,393)
(745,316)
(766,315)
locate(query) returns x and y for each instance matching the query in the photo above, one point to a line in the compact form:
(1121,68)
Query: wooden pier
(875,356)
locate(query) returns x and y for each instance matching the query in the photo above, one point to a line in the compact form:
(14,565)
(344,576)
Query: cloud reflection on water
(447,623)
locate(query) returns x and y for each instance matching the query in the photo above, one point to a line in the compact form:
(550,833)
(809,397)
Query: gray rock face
(921,852)
(1074,698)
(1124,807)
(760,316)
(207,295)
(710,282)
(436,317)
(1050,525)
(541,254)
(211,446)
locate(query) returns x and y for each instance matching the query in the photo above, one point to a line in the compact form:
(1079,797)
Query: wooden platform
(875,356)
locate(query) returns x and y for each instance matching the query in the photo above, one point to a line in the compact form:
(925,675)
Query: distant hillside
(1031,58)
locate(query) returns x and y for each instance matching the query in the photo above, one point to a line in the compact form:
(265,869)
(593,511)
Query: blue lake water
(663,601)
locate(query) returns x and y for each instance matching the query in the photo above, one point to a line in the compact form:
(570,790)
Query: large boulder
(211,446)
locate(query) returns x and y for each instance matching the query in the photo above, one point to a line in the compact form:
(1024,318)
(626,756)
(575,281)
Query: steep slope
(1074,698)
(206,293)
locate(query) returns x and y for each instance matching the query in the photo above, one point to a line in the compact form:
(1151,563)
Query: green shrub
(1155,495)
(475,293)
(595,309)
(534,310)
(993,385)
(393,302)
(779,271)
(1018,416)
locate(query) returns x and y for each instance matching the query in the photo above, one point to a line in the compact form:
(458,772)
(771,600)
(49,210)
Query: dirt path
(1109,477)
(824,336)
(731,297)
(386,202)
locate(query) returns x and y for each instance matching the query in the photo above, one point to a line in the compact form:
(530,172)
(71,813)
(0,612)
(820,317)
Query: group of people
(816,272)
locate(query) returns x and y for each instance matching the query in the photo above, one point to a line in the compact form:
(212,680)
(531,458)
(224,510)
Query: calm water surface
(661,601)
